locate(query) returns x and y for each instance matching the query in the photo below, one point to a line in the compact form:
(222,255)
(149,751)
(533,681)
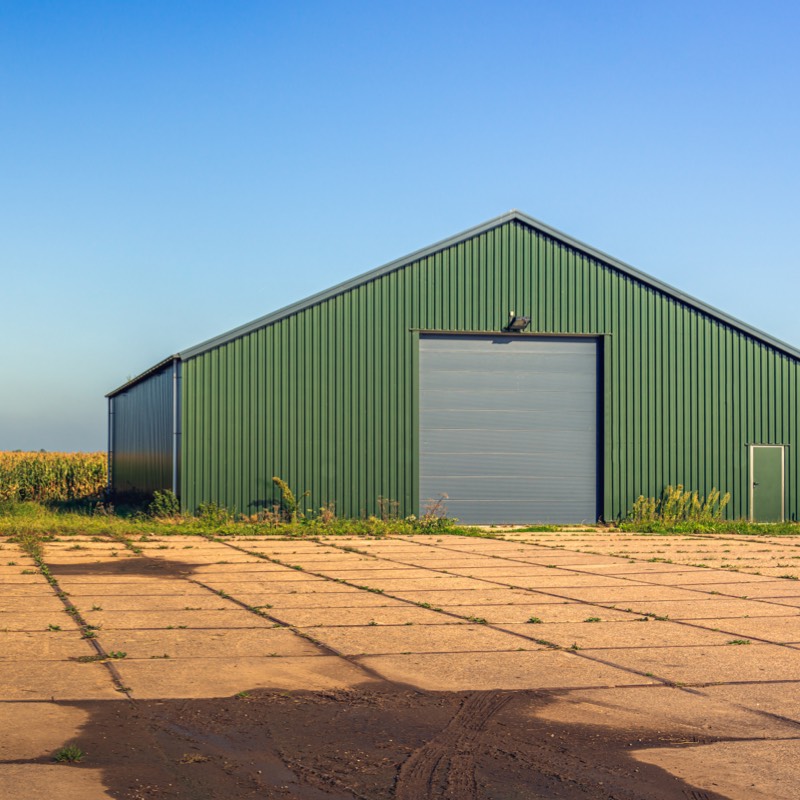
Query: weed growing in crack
(71,754)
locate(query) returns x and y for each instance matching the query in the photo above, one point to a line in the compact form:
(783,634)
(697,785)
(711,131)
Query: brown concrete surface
(698,635)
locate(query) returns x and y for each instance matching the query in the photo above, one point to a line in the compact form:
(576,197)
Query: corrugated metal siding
(327,398)
(142,435)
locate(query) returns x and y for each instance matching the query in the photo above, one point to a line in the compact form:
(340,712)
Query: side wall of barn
(142,434)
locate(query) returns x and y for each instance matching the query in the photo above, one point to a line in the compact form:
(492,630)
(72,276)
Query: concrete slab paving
(35,781)
(563,579)
(700,578)
(790,602)
(792,572)
(503,570)
(46,602)
(234,585)
(165,586)
(264,568)
(221,677)
(36,620)
(347,561)
(43,645)
(381,570)
(31,589)
(379,639)
(114,558)
(13,562)
(702,665)
(267,577)
(331,600)
(530,669)
(695,711)
(462,563)
(34,730)
(778,699)
(489,595)
(146,600)
(644,568)
(400,614)
(621,634)
(207,643)
(157,602)
(754,770)
(434,582)
(774,629)
(707,607)
(232,617)
(521,613)
(763,588)
(68,680)
(10,579)
(129,585)
(629,593)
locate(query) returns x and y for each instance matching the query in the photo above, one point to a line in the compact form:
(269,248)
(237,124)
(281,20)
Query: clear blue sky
(170,170)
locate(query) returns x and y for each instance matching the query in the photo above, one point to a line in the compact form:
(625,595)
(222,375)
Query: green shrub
(213,514)
(165,505)
(70,754)
(677,506)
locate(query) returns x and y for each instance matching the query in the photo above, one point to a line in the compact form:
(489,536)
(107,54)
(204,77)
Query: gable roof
(496,222)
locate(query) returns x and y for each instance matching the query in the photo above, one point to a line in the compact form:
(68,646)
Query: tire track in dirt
(445,766)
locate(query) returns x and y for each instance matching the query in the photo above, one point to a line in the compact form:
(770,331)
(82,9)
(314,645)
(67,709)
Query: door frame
(751,472)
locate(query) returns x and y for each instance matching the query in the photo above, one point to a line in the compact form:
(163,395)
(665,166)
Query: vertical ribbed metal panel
(141,433)
(327,398)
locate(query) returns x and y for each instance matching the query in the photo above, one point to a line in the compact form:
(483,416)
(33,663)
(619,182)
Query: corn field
(52,476)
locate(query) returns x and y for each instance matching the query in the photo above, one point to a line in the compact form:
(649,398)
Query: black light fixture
(517,324)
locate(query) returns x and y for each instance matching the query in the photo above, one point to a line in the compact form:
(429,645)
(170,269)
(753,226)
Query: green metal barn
(525,375)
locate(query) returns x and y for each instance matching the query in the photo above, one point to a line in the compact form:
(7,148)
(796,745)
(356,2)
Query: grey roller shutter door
(509,427)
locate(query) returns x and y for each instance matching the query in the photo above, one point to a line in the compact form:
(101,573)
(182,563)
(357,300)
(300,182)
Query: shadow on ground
(123,566)
(374,742)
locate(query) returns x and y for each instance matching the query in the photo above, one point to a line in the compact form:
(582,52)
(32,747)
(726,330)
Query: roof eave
(146,374)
